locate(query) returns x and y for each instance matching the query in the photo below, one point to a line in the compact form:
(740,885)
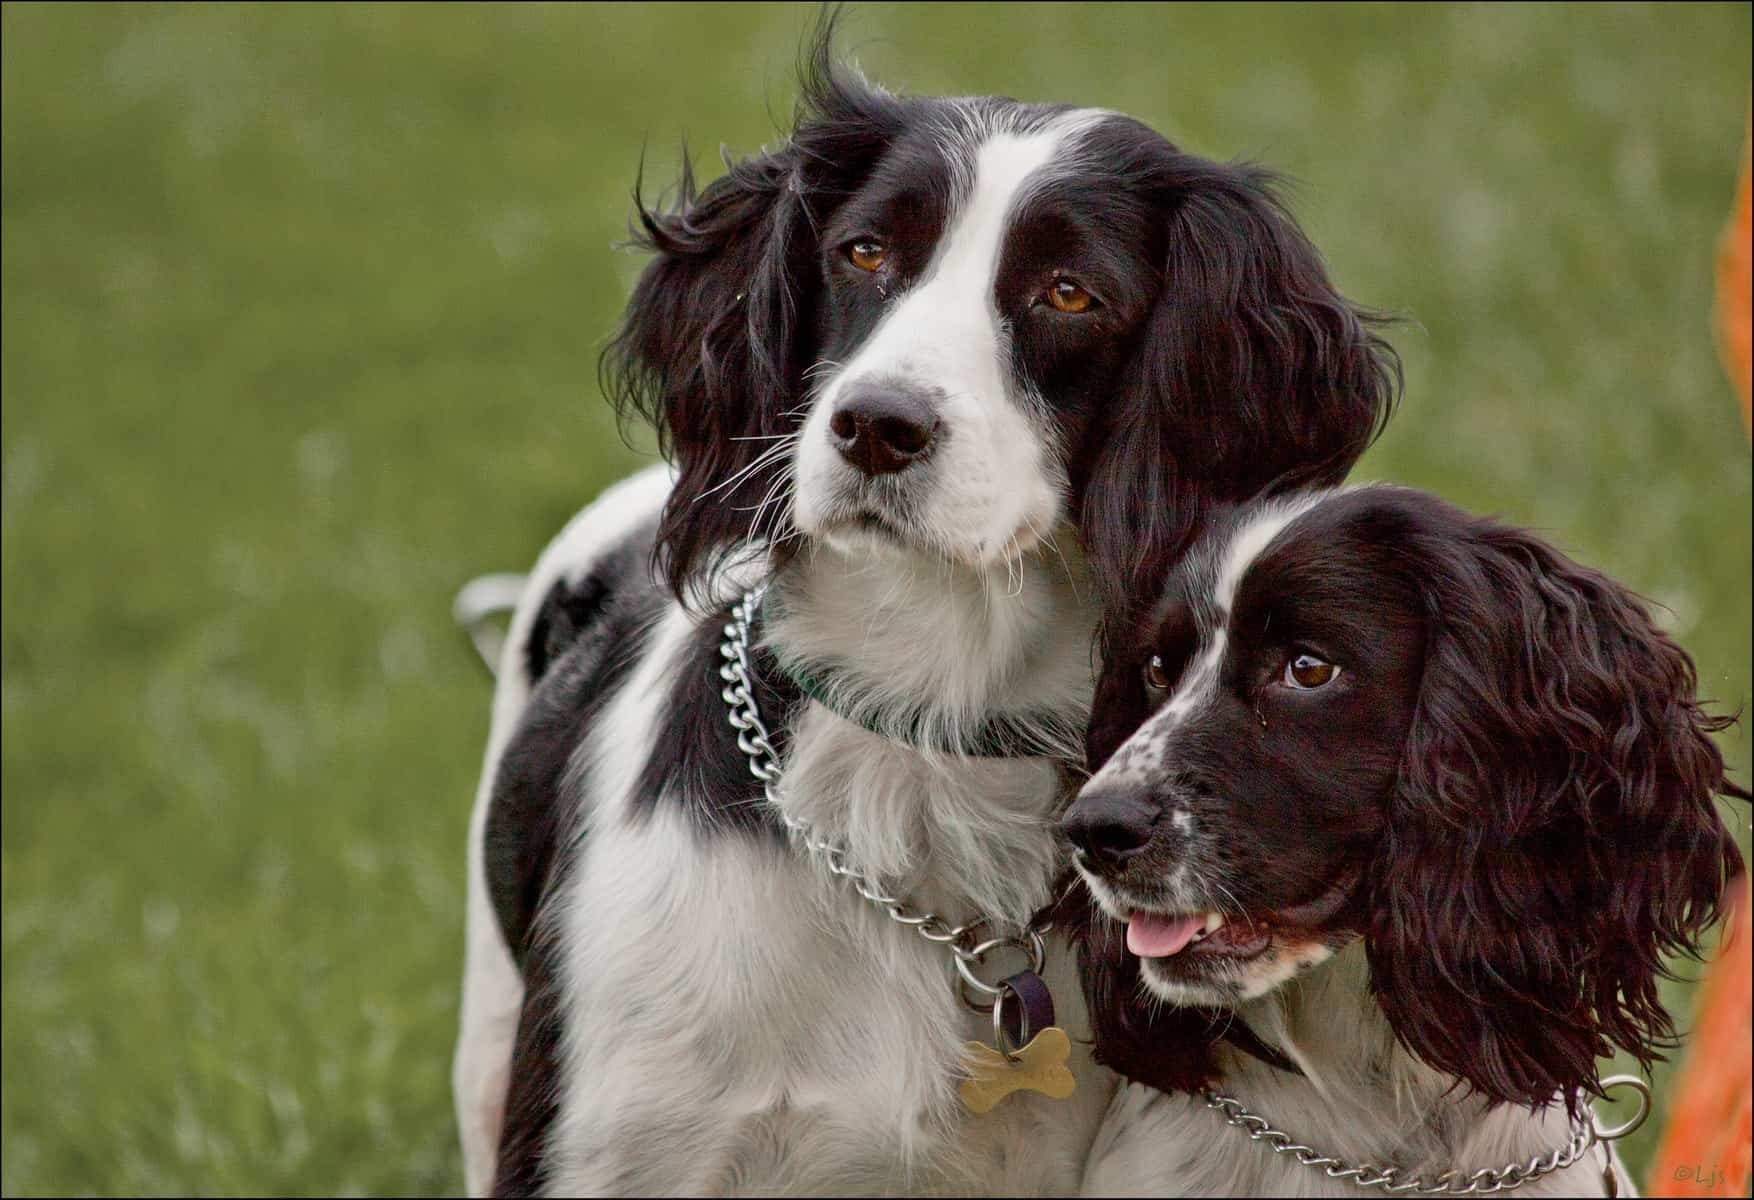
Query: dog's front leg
(493,994)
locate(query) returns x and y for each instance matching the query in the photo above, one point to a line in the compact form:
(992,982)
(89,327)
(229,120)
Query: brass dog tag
(1040,1067)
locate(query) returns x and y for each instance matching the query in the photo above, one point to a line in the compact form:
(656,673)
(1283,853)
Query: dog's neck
(954,642)
(1362,1096)
(951,646)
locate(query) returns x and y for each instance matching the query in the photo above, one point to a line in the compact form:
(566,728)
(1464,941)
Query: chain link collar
(965,944)
(969,951)
(1585,1134)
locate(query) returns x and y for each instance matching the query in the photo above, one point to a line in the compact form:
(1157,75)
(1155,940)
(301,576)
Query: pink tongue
(1152,935)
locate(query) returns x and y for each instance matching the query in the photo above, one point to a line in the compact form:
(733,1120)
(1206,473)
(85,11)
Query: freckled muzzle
(1180,907)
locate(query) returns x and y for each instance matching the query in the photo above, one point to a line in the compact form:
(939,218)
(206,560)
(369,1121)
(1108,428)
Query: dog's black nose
(882,426)
(1112,825)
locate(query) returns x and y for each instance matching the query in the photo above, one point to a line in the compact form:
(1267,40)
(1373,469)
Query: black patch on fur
(596,632)
(591,634)
(533,1090)
(695,759)
(585,637)
(1554,833)
(1249,371)
(567,611)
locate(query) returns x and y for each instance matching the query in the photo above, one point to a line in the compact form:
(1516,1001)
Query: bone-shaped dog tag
(1040,1067)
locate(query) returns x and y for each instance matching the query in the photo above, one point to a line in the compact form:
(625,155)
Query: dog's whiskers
(766,458)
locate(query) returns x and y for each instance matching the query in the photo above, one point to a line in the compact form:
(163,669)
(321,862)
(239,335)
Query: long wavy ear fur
(721,326)
(1554,833)
(1253,371)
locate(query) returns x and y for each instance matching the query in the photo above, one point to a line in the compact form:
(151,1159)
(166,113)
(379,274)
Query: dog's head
(1368,714)
(945,326)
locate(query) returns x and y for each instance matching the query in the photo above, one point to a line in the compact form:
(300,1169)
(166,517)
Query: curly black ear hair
(722,324)
(1252,373)
(1554,832)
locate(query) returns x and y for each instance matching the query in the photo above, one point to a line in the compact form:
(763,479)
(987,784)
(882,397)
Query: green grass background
(301,308)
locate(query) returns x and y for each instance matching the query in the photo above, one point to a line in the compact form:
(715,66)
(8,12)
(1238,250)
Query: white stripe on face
(995,478)
(1246,545)
(1198,684)
(959,281)
(1252,540)
(1143,753)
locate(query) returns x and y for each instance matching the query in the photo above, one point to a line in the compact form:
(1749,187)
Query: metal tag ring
(1613,1133)
(1030,943)
(1001,1043)
(971,1002)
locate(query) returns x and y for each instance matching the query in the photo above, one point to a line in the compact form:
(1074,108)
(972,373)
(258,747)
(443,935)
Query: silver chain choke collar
(969,951)
(967,948)
(1584,1135)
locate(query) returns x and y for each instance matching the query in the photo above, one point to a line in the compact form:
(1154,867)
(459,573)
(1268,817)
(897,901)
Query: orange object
(1705,1149)
(1734,287)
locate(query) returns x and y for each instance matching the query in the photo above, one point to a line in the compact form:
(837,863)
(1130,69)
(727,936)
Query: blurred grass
(300,313)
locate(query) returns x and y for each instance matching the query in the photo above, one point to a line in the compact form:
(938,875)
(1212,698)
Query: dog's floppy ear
(1252,370)
(1554,832)
(720,330)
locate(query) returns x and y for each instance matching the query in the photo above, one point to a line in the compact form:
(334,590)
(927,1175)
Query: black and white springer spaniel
(1417,805)
(942,374)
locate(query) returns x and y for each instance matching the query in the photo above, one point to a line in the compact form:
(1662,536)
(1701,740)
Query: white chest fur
(737,1021)
(750,1027)
(1361,1098)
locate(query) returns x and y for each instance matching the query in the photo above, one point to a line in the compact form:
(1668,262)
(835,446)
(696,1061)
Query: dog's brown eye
(1306,672)
(1156,676)
(867,255)
(1068,297)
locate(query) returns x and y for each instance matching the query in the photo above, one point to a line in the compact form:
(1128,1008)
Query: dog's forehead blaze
(1199,605)
(1253,539)
(993,167)
(1343,572)
(1216,571)
(970,169)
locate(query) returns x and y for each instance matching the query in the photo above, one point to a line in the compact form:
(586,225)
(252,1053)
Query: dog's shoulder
(577,633)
